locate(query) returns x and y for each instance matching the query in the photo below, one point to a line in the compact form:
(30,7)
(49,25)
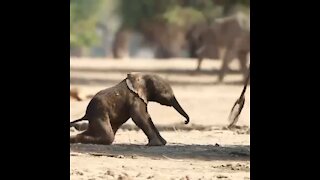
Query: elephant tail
(178,108)
(73,123)
(238,105)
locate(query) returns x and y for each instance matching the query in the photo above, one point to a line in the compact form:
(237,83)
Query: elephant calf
(112,107)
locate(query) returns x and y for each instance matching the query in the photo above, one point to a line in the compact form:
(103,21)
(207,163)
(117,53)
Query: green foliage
(132,11)
(83,20)
(182,16)
(86,15)
(177,12)
(233,5)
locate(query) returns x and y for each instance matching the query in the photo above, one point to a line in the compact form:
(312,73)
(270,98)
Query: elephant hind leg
(228,57)
(99,132)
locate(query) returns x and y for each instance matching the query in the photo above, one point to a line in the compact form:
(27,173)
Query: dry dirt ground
(203,149)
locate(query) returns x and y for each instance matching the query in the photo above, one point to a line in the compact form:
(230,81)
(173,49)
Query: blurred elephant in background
(167,39)
(230,35)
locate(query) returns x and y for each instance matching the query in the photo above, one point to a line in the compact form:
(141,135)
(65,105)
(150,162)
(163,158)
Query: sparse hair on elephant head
(154,88)
(137,85)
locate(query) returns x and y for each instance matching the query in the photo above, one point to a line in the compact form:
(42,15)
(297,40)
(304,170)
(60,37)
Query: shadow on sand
(170,151)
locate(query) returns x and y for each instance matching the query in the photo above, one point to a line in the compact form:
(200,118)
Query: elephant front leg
(230,54)
(142,119)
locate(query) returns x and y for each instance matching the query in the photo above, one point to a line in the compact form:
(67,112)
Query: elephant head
(154,88)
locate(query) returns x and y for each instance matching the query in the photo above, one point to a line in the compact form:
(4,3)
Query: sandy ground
(204,149)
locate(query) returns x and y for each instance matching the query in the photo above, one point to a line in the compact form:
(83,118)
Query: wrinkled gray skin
(230,34)
(112,107)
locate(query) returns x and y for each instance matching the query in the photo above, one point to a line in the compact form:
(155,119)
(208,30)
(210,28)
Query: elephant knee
(107,140)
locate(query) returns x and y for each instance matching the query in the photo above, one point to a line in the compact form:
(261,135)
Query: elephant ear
(137,85)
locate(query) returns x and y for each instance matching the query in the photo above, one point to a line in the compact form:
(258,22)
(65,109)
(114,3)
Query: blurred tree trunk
(104,38)
(76,51)
(120,46)
(168,38)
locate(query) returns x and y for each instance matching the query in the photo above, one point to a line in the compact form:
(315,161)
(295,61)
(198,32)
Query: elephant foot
(198,70)
(195,72)
(164,142)
(220,78)
(157,142)
(219,81)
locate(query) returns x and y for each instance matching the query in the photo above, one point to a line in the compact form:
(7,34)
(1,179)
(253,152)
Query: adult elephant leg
(142,119)
(229,55)
(200,59)
(242,55)
(200,54)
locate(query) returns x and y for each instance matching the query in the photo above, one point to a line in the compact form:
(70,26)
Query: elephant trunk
(178,108)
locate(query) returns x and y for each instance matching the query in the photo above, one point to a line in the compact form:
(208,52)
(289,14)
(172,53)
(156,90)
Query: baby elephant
(112,107)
